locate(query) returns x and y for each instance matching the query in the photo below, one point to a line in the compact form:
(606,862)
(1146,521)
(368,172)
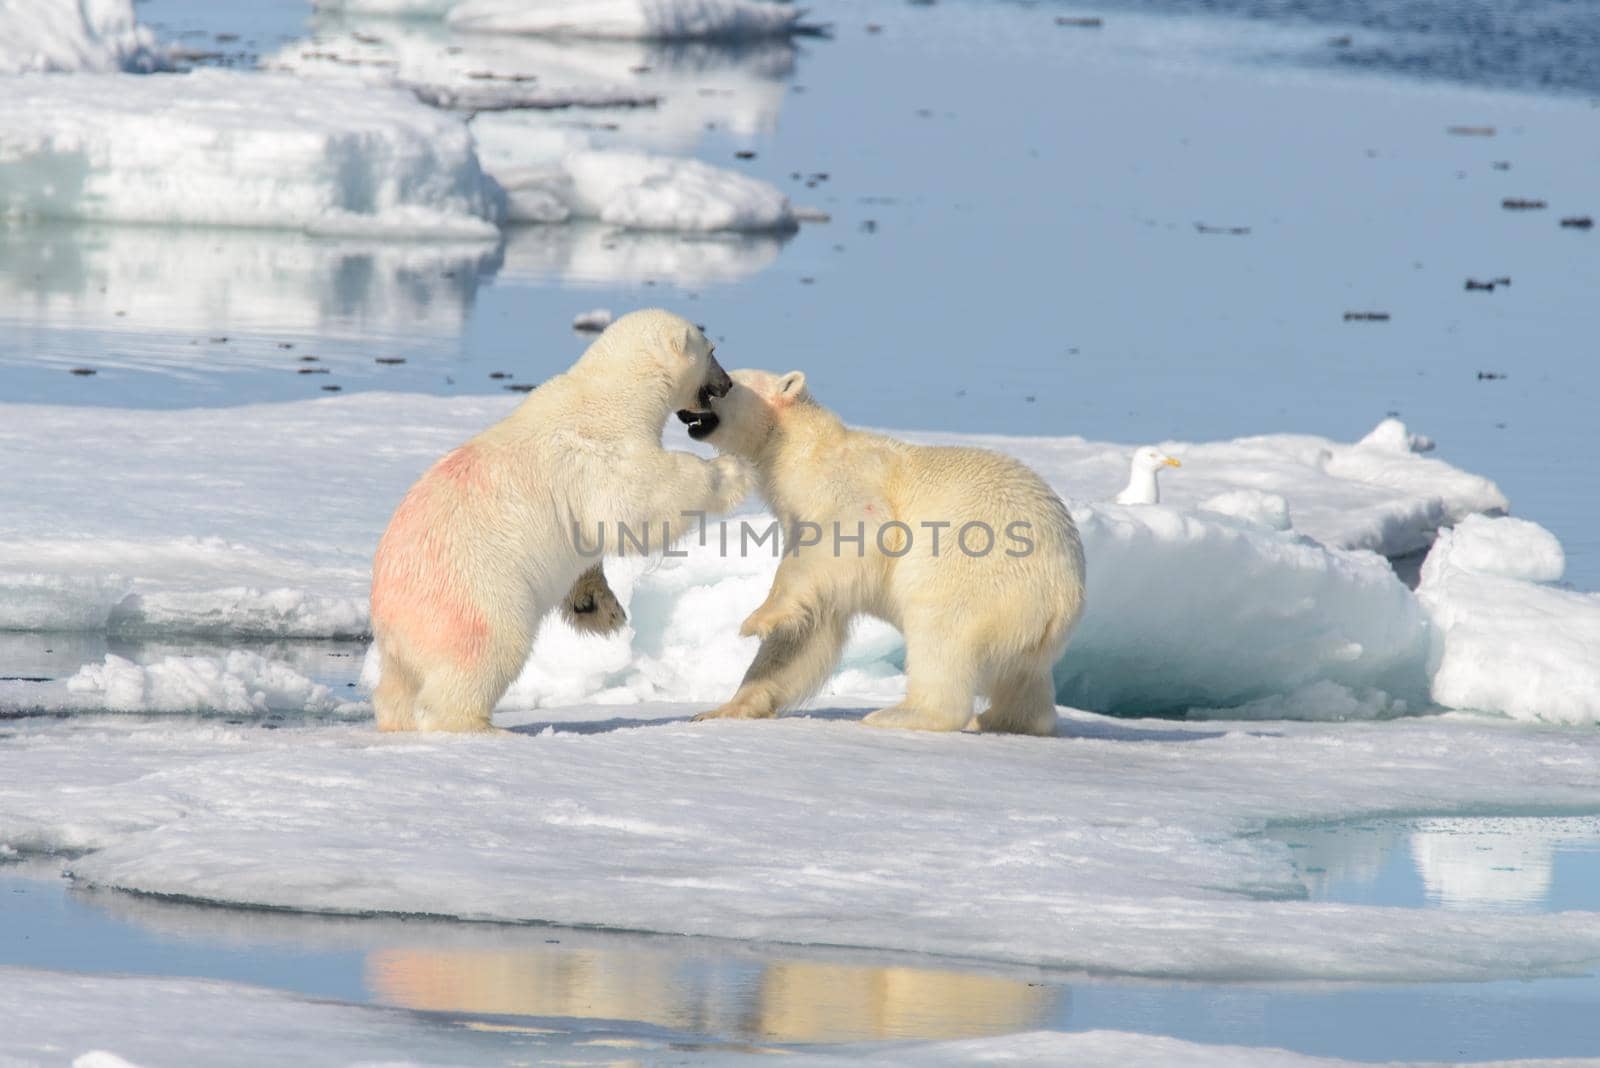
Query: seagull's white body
(1141,487)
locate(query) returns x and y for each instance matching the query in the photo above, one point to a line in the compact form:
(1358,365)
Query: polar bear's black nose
(717,381)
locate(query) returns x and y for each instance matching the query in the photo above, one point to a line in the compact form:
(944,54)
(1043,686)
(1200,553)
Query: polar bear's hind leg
(940,684)
(1023,702)
(395,697)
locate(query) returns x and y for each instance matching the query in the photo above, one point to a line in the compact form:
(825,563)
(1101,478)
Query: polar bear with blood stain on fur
(486,543)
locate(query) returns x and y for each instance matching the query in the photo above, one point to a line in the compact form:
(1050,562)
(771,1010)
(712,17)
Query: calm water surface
(709,991)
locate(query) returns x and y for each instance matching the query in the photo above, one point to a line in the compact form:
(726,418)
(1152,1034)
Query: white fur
(989,624)
(483,546)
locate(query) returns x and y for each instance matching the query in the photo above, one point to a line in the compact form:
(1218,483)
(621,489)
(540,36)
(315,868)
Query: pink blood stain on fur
(416,591)
(461,466)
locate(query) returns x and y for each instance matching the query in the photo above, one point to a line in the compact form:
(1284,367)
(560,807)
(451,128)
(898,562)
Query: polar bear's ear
(791,386)
(685,344)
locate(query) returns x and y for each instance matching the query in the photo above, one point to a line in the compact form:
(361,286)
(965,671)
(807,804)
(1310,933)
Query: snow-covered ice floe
(667,20)
(117,1021)
(642,191)
(550,174)
(1118,847)
(86,35)
(1379,493)
(263,150)
(238,683)
(1501,638)
(659,96)
(240,149)
(261,521)
(463,74)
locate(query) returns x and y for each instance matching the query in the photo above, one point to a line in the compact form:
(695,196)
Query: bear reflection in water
(771,1000)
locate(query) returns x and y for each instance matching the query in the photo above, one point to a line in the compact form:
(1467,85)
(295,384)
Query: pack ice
(660,20)
(142,524)
(668,20)
(1121,846)
(552,173)
(89,35)
(240,149)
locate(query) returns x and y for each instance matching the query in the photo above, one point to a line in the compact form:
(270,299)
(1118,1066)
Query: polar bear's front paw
(591,607)
(737,709)
(764,622)
(733,482)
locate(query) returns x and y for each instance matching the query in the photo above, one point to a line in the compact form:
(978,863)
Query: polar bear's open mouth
(700,423)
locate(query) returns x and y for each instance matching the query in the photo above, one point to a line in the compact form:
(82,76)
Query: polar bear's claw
(591,607)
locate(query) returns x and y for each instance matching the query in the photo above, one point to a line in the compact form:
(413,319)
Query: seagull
(1141,487)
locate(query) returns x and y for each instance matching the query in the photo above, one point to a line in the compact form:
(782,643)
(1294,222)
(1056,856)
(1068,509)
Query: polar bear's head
(665,350)
(742,421)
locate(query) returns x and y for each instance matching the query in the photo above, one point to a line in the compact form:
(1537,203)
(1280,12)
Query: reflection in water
(774,1000)
(181,279)
(594,254)
(806,1002)
(693,986)
(1494,863)
(681,993)
(1491,863)
(175,311)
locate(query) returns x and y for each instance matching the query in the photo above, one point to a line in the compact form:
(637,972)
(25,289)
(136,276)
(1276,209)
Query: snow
(1351,496)
(1503,642)
(112,1021)
(665,20)
(152,524)
(86,35)
(647,192)
(240,149)
(465,75)
(238,683)
(1504,546)
(1125,847)
(1268,510)
(1189,610)
(657,99)
(1392,434)
(553,173)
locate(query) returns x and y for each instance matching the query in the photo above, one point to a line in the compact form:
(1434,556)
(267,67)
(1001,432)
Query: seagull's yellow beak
(1171,461)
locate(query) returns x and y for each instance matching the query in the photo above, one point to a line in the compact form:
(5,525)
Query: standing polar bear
(486,542)
(970,554)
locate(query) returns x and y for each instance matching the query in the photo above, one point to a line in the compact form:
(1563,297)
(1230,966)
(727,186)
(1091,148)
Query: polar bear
(501,530)
(969,553)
